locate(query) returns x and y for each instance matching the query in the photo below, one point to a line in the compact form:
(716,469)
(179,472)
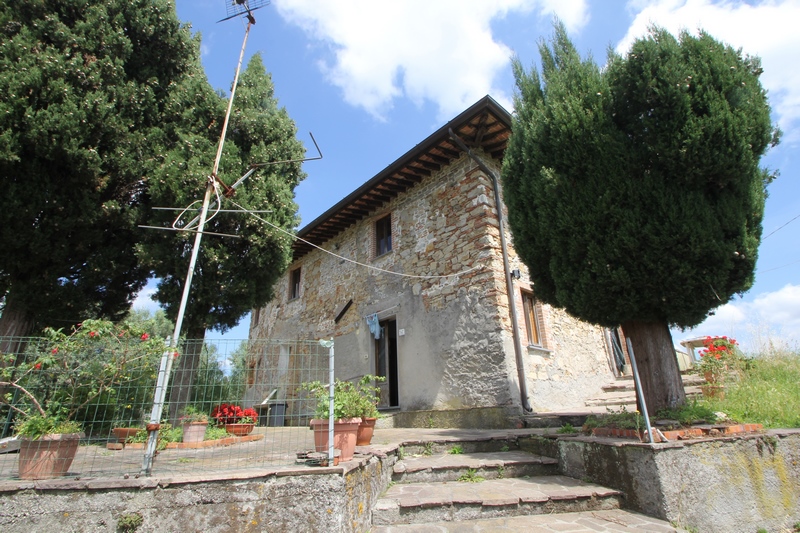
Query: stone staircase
(622,392)
(499,485)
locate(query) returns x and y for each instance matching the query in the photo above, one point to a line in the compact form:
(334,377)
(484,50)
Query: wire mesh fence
(231,405)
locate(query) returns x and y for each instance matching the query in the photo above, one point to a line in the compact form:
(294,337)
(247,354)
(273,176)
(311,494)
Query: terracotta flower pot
(123,434)
(47,457)
(365,431)
(239,430)
(194,432)
(344,436)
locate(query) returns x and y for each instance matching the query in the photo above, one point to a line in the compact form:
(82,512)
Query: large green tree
(634,192)
(84,94)
(235,273)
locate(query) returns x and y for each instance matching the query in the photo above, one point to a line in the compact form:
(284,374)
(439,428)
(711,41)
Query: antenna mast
(235,8)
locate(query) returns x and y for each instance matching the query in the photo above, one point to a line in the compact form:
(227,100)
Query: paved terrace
(275,453)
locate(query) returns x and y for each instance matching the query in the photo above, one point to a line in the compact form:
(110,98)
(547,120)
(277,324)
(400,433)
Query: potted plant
(347,405)
(234,419)
(194,423)
(370,395)
(62,382)
(719,358)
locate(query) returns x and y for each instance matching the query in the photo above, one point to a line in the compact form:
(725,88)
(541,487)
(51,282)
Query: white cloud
(143,299)
(772,318)
(441,51)
(766,29)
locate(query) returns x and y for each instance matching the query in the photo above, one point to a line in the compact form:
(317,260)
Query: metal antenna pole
(168,357)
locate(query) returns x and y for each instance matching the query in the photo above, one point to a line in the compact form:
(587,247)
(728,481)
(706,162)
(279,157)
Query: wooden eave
(485,125)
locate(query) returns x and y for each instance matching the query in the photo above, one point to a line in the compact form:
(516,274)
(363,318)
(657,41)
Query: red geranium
(233,414)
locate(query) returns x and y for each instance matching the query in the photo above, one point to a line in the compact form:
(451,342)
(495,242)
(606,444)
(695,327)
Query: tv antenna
(234,8)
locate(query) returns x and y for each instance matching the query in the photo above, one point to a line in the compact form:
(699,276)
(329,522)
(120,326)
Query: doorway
(386,363)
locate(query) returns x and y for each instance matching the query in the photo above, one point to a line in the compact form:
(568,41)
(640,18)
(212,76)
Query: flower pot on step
(345,432)
(365,430)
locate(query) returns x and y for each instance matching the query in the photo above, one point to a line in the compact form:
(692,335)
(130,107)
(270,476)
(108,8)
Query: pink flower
(145,336)
(54,351)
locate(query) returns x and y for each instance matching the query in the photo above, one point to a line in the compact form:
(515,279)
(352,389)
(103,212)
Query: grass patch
(622,419)
(457,450)
(567,428)
(471,476)
(767,393)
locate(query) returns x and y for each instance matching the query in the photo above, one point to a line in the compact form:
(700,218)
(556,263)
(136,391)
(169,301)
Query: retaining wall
(723,485)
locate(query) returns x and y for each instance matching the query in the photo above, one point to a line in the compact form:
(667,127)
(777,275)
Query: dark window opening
(294,284)
(383,235)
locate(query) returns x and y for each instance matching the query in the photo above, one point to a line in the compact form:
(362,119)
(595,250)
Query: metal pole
(639,392)
(171,352)
(329,345)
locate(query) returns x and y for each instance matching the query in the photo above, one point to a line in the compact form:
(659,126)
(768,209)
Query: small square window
(383,235)
(294,284)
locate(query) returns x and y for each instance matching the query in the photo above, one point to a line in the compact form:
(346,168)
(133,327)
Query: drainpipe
(512,308)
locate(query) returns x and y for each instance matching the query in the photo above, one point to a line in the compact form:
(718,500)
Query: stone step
(626,383)
(420,503)
(610,521)
(451,467)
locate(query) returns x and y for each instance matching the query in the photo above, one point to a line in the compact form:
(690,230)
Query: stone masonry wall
(446,290)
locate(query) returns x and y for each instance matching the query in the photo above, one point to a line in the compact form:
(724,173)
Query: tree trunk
(659,374)
(14,322)
(183,376)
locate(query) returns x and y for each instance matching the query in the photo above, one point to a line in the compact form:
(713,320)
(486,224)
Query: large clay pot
(194,432)
(123,434)
(344,436)
(47,457)
(239,430)
(365,431)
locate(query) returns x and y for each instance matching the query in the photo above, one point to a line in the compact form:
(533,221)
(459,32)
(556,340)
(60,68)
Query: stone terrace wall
(712,485)
(332,502)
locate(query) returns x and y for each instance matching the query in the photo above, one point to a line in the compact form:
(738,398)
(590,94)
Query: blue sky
(372,78)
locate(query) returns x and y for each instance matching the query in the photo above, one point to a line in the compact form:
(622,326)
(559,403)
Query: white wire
(292,235)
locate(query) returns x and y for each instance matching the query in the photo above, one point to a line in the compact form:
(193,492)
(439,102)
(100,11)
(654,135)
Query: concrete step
(420,503)
(622,392)
(626,383)
(451,467)
(610,521)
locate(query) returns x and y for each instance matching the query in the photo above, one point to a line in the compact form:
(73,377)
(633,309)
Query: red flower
(37,366)
(145,336)
(92,333)
(175,355)
(54,351)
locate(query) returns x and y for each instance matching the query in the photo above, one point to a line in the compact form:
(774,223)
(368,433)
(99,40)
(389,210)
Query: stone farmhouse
(407,274)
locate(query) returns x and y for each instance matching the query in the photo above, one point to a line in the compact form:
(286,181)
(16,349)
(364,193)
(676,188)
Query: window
(531,319)
(294,284)
(383,235)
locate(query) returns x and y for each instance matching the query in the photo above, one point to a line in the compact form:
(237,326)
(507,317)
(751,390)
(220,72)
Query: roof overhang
(485,125)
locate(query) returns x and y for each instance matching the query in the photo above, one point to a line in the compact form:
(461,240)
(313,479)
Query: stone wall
(711,485)
(332,502)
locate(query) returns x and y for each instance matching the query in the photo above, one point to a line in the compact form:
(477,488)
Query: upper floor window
(383,235)
(531,311)
(294,284)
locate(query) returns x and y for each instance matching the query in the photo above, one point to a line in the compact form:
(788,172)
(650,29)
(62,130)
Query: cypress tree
(84,93)
(634,192)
